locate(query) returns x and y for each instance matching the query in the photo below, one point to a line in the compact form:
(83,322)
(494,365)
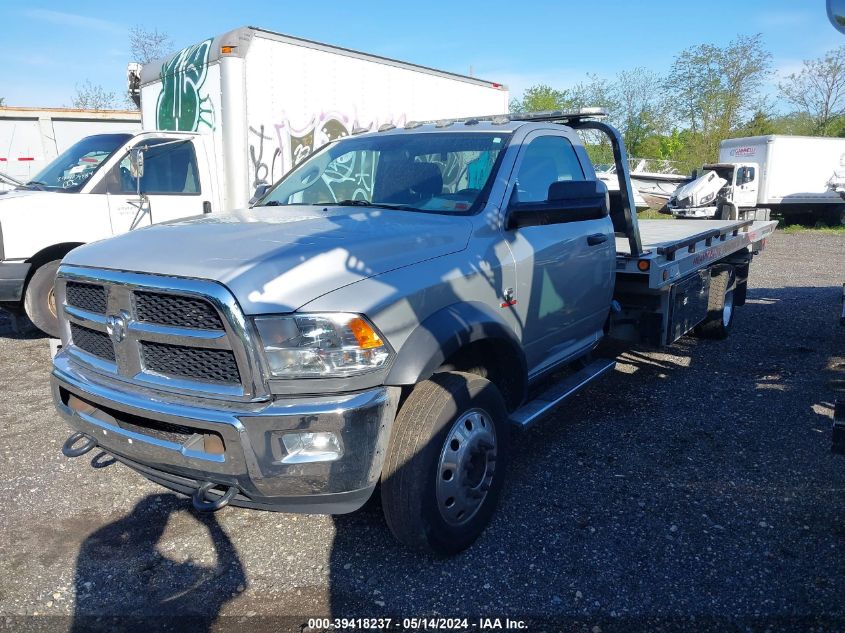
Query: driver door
(565,271)
(745,190)
(170,186)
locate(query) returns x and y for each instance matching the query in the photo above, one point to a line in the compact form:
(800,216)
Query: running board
(532,411)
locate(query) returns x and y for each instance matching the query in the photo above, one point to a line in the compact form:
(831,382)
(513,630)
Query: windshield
(442,172)
(73,167)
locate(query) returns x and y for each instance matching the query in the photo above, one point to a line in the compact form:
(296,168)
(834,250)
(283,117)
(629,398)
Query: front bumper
(183,443)
(12,278)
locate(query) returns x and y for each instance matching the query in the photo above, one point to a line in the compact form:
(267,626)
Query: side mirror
(260,190)
(136,162)
(568,201)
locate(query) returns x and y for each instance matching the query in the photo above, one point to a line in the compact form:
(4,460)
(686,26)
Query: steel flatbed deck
(673,249)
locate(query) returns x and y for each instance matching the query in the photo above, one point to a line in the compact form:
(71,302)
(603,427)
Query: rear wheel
(445,464)
(40,300)
(720,305)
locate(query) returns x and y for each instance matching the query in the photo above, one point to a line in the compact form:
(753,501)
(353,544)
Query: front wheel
(40,300)
(445,464)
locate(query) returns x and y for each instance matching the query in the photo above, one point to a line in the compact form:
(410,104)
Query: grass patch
(793,229)
(652,214)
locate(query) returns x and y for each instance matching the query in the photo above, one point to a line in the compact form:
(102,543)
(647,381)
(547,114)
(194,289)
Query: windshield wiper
(377,205)
(37,184)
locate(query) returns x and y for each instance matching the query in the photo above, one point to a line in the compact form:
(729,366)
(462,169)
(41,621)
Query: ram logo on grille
(116,326)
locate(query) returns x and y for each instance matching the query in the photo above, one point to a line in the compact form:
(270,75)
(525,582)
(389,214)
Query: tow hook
(69,450)
(202,504)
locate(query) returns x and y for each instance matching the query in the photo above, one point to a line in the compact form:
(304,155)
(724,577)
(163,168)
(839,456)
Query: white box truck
(755,176)
(224,118)
(32,137)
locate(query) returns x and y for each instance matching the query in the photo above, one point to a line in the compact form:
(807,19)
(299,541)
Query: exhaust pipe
(201,504)
(69,450)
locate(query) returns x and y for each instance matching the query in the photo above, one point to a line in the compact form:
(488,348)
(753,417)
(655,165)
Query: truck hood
(278,259)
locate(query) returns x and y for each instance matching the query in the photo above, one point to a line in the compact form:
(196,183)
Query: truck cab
(722,191)
(89,193)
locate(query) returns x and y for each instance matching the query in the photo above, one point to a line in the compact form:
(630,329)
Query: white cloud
(74,20)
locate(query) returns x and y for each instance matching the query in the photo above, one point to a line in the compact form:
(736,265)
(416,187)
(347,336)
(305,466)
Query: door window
(547,160)
(169,168)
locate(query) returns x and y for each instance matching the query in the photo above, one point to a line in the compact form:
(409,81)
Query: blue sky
(50,47)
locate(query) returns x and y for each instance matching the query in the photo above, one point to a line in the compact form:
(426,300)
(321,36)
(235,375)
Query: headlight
(320,345)
(708,198)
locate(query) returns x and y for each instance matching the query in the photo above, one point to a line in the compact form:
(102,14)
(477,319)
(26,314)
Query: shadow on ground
(169,591)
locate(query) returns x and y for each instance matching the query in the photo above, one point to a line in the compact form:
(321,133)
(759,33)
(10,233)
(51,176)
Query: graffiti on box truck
(181,106)
(276,148)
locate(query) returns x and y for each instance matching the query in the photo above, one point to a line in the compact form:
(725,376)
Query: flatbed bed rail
(707,236)
(673,249)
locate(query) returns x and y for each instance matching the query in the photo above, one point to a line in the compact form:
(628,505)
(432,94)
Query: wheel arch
(49,254)
(460,335)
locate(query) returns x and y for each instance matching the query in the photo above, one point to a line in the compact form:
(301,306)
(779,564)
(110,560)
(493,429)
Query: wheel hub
(466,466)
(727,308)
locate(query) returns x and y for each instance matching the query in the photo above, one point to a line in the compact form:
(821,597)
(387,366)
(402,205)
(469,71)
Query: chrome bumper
(182,444)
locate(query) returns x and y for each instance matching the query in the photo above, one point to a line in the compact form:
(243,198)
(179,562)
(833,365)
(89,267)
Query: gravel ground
(692,487)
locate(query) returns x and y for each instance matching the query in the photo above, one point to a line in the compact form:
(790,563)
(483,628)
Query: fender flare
(445,332)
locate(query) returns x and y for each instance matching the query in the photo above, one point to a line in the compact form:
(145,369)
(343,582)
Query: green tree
(819,90)
(761,124)
(540,98)
(714,88)
(640,109)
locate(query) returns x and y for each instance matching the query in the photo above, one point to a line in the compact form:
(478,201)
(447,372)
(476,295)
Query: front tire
(39,300)
(445,464)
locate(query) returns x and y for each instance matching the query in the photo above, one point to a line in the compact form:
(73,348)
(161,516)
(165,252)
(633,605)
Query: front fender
(445,332)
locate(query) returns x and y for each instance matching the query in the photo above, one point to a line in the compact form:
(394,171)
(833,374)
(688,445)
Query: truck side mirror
(136,162)
(568,201)
(260,190)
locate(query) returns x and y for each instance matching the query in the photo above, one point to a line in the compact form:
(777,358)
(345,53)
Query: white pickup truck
(387,326)
(225,118)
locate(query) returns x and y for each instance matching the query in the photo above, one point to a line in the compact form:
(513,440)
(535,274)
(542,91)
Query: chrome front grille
(215,365)
(179,311)
(97,343)
(181,335)
(90,297)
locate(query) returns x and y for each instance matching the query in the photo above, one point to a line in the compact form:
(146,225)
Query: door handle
(596,238)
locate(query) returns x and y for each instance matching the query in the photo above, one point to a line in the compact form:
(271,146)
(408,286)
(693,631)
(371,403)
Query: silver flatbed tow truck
(385,314)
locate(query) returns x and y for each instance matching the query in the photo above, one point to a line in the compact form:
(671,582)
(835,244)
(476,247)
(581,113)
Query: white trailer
(788,175)
(223,120)
(32,137)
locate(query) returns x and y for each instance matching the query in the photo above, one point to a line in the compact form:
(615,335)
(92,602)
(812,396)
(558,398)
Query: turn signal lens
(364,334)
(644,265)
